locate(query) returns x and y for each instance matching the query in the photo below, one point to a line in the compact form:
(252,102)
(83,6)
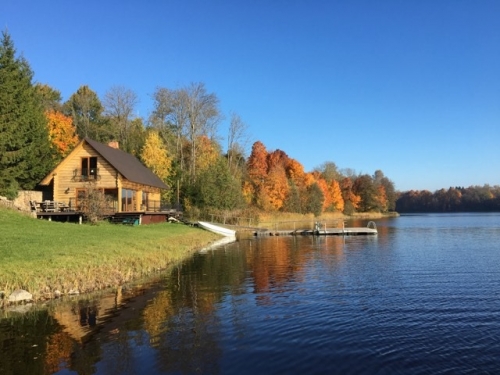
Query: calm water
(422,297)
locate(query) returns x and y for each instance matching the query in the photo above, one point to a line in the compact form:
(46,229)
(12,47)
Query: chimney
(114,144)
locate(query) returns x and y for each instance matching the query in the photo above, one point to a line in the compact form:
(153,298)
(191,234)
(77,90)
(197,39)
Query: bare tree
(170,117)
(95,206)
(237,142)
(120,103)
(186,114)
(204,117)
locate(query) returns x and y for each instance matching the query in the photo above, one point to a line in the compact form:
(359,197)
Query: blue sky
(408,87)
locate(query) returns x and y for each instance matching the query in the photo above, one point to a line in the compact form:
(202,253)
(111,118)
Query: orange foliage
(309,179)
(277,187)
(58,349)
(257,163)
(295,171)
(348,194)
(327,198)
(381,198)
(62,132)
(336,195)
(277,158)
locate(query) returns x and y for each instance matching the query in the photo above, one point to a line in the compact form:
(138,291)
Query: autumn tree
(327,199)
(276,187)
(385,187)
(336,195)
(155,156)
(257,171)
(25,152)
(61,132)
(351,200)
(208,153)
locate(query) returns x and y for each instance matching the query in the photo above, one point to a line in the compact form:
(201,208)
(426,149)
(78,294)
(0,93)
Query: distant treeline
(458,199)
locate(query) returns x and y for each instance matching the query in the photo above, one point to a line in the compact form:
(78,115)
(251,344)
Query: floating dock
(370,229)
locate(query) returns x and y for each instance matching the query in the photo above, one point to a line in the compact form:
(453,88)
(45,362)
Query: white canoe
(217,229)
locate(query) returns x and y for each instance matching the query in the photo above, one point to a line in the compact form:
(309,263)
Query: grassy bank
(44,257)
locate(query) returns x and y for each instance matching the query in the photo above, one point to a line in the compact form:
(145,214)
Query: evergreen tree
(25,152)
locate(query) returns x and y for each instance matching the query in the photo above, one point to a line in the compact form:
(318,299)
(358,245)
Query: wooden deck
(370,229)
(327,232)
(57,211)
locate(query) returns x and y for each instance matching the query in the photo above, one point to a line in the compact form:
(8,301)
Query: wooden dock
(370,229)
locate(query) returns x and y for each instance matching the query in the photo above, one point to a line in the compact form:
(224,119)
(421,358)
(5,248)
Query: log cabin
(126,183)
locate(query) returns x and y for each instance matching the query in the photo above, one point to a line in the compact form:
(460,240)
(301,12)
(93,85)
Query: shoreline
(38,258)
(50,260)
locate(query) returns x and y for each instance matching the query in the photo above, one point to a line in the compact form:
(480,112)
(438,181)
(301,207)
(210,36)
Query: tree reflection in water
(170,325)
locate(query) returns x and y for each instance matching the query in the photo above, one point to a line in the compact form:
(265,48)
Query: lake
(421,297)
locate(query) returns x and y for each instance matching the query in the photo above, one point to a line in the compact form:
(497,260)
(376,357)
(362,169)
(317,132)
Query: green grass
(42,257)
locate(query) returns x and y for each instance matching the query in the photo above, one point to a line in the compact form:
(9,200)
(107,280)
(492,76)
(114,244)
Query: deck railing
(86,174)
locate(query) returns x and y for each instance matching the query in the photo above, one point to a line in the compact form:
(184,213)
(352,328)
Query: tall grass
(44,257)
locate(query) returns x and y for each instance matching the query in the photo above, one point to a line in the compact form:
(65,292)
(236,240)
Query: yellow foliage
(207,154)
(248,191)
(155,156)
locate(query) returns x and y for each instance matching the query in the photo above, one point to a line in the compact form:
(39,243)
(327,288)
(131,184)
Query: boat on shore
(217,229)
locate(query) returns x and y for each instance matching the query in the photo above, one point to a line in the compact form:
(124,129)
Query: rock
(21,309)
(73,292)
(57,293)
(20,295)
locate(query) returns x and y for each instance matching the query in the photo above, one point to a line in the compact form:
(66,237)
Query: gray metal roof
(127,165)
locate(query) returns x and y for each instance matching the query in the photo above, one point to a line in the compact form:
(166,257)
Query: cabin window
(111,196)
(89,167)
(128,200)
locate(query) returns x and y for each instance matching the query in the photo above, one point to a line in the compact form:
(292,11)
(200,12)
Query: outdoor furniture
(34,206)
(49,206)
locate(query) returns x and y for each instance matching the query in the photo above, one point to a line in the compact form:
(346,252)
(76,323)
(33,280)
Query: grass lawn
(42,257)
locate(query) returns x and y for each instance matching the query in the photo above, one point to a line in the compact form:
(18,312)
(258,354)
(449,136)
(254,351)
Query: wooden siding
(65,183)
(66,180)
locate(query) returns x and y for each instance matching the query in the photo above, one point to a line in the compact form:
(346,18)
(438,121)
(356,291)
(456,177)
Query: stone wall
(22,202)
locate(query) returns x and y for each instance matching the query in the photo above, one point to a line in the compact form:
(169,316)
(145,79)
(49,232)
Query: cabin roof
(126,164)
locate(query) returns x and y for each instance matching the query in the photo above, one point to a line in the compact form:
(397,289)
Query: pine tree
(25,152)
